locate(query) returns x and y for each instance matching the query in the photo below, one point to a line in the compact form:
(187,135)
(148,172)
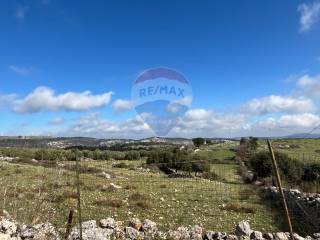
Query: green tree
(198,141)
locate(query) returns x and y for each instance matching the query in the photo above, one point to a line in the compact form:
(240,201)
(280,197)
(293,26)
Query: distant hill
(303,135)
(67,142)
(64,142)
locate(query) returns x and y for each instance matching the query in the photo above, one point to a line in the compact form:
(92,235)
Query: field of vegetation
(303,149)
(205,186)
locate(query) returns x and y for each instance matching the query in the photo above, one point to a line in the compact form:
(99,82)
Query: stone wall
(108,228)
(306,205)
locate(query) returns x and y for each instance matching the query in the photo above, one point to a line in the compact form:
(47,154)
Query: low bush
(294,171)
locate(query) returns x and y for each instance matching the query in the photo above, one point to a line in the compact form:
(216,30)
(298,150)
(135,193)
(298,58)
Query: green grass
(217,151)
(303,149)
(48,194)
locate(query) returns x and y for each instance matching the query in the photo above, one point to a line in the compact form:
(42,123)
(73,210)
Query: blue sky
(253,65)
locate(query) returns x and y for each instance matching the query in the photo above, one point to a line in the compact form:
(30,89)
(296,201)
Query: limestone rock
(108,223)
(149,226)
(297,237)
(135,223)
(7,227)
(243,229)
(256,235)
(132,233)
(27,231)
(46,231)
(268,236)
(4,236)
(280,236)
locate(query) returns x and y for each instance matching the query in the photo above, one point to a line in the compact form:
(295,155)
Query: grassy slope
(304,149)
(50,193)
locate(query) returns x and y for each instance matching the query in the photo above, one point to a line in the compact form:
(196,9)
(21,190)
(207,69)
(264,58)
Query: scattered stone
(108,229)
(174,235)
(258,183)
(89,225)
(7,227)
(184,233)
(28,232)
(297,237)
(268,236)
(149,226)
(132,233)
(209,235)
(280,236)
(218,236)
(114,186)
(108,223)
(135,223)
(316,235)
(196,233)
(243,229)
(104,175)
(256,235)
(244,237)
(232,237)
(46,231)
(249,176)
(4,236)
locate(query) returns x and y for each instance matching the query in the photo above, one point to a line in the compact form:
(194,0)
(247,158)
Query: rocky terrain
(304,204)
(135,229)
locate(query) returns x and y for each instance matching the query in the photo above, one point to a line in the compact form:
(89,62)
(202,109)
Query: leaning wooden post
(69,224)
(78,193)
(284,202)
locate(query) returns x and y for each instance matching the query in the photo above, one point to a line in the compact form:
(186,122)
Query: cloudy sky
(67,67)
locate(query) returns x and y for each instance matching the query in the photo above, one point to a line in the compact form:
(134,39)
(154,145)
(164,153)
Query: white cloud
(203,122)
(20,13)
(310,14)
(20,70)
(94,125)
(121,105)
(56,121)
(293,122)
(198,114)
(279,104)
(197,122)
(45,99)
(309,86)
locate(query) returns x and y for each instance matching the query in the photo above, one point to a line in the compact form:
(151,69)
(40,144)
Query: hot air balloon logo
(161,96)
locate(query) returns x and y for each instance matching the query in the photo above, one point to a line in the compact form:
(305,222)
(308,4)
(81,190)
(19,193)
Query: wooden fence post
(69,224)
(78,193)
(284,202)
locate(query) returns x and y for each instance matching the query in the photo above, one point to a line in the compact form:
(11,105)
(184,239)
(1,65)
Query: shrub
(198,141)
(311,172)
(293,170)
(132,155)
(261,164)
